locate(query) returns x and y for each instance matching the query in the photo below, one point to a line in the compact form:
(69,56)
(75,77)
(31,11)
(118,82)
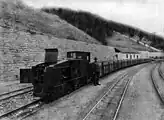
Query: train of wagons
(53,79)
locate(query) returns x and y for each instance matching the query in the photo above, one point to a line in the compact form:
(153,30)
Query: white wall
(154,54)
(123,56)
(144,54)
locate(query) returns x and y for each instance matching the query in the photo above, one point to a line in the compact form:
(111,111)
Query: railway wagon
(53,79)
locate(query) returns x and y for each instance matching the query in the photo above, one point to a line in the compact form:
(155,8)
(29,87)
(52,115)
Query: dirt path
(162,67)
(141,101)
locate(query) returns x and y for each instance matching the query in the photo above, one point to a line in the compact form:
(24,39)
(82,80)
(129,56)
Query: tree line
(100,28)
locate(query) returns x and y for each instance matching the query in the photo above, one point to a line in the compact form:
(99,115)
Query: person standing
(96,72)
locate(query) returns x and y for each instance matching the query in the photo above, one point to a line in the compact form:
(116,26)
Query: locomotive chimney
(51,55)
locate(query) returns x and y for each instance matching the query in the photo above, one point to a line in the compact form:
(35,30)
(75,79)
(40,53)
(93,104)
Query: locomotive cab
(78,55)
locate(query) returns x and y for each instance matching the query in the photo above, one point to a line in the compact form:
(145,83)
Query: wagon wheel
(68,89)
(47,99)
(76,84)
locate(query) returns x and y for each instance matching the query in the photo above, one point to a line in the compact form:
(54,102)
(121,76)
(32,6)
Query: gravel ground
(162,67)
(141,101)
(17,86)
(15,102)
(159,81)
(70,107)
(107,106)
(11,86)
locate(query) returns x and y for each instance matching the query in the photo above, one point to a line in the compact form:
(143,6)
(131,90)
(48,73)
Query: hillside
(25,33)
(118,40)
(15,15)
(100,29)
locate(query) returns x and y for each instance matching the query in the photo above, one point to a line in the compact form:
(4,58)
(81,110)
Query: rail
(155,84)
(160,71)
(111,94)
(14,93)
(109,90)
(9,114)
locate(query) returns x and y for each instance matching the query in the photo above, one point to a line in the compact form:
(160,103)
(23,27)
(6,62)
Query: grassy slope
(14,14)
(100,28)
(22,18)
(118,40)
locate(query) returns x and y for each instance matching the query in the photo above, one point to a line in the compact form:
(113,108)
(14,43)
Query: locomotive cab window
(87,57)
(74,55)
(79,57)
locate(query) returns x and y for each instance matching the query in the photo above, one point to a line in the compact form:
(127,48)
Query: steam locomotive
(53,79)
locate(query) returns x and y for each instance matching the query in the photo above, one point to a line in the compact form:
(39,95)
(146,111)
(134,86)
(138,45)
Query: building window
(126,55)
(116,57)
(130,56)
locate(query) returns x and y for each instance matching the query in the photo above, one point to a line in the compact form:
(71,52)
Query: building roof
(126,50)
(77,52)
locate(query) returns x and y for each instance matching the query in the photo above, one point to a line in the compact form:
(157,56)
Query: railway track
(7,95)
(160,71)
(157,81)
(32,107)
(23,111)
(27,110)
(108,106)
(121,76)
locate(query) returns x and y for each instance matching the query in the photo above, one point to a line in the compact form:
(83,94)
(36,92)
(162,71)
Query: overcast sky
(145,14)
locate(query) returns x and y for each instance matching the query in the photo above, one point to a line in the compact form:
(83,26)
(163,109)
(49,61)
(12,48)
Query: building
(125,53)
(144,54)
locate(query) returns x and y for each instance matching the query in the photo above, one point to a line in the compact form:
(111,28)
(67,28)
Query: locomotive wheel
(70,88)
(56,94)
(49,98)
(76,84)
(82,82)
(46,99)
(67,89)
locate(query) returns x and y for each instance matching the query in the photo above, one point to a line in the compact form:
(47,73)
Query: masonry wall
(23,50)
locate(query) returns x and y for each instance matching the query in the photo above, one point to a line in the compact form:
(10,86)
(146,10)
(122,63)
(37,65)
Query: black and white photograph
(81,59)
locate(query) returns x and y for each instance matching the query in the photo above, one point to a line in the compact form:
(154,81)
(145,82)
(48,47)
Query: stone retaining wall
(23,50)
